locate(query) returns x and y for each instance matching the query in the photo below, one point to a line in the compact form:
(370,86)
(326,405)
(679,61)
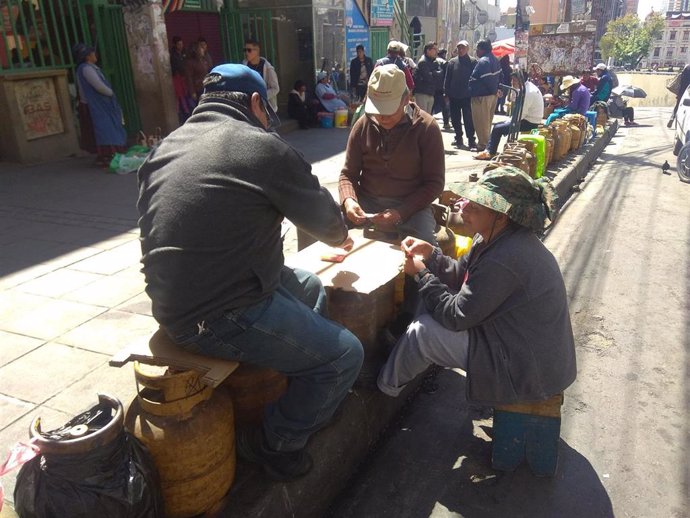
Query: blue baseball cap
(232,77)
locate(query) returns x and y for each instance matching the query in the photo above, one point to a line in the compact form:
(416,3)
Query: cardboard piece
(160,350)
(369,265)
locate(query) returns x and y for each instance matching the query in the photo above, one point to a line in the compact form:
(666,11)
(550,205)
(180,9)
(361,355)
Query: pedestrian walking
(483,90)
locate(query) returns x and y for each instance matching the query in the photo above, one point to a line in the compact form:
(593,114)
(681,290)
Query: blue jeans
(287,333)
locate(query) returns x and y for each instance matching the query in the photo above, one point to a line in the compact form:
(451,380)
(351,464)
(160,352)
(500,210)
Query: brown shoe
(484,155)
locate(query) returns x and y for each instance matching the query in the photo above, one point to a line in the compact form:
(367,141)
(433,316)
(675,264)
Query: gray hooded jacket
(511,298)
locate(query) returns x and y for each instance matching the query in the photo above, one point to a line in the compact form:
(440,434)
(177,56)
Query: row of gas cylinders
(533,152)
(187,427)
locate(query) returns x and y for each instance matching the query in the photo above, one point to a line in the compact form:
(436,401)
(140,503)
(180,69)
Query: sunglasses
(248,49)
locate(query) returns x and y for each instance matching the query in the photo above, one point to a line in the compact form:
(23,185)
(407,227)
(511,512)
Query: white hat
(321,75)
(600,66)
(464,43)
(394,46)
(386,87)
(568,81)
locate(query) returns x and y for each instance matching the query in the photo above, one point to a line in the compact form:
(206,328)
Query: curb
(565,179)
(337,450)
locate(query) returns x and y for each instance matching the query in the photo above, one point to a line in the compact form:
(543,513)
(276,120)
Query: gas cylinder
(190,431)
(252,388)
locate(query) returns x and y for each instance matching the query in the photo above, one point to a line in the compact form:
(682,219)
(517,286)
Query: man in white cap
(394,162)
(605,84)
(395,54)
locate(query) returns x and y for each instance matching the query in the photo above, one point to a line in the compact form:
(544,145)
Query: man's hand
(347,244)
(354,212)
(413,264)
(416,248)
(387,220)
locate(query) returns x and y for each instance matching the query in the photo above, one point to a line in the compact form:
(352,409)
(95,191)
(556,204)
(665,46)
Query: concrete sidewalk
(71,293)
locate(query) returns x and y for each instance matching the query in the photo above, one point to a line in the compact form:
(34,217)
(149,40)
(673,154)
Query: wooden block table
(362,289)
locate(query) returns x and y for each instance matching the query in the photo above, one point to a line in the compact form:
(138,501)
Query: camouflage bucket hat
(530,203)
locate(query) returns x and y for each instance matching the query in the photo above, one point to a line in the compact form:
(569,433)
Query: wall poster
(39,108)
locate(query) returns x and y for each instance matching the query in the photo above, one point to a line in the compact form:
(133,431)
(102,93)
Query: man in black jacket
(428,78)
(458,72)
(212,198)
(360,70)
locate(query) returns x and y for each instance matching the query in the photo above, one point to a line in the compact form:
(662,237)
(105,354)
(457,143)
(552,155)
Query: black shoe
(458,143)
(473,146)
(281,466)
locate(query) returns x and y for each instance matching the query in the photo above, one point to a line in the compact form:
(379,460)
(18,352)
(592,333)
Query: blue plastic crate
(525,436)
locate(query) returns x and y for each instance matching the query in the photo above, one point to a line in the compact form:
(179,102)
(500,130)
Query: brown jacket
(406,162)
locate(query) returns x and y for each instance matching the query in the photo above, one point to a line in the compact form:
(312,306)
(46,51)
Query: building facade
(671,48)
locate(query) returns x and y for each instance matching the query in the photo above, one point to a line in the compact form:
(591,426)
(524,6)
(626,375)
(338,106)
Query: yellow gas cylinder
(189,430)
(462,245)
(252,388)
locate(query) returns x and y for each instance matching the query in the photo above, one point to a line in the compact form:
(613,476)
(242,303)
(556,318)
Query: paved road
(623,244)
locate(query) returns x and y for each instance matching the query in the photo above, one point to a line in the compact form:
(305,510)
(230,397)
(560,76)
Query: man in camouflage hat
(500,312)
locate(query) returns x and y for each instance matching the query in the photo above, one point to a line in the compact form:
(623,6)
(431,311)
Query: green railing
(40,33)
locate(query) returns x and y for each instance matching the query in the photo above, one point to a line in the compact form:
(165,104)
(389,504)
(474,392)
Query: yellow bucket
(341,118)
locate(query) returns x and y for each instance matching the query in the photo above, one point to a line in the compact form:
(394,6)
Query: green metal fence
(40,34)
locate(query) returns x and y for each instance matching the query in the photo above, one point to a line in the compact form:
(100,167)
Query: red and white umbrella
(502,48)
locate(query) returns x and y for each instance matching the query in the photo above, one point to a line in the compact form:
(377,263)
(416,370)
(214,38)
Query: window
(683,50)
(657,51)
(686,35)
(672,36)
(669,53)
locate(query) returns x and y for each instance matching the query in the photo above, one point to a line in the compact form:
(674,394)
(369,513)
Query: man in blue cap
(211,198)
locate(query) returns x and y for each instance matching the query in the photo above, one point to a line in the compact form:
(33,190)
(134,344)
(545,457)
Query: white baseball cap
(386,87)
(600,66)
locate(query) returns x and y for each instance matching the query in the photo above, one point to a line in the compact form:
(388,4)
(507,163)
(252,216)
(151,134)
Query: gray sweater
(211,201)
(511,298)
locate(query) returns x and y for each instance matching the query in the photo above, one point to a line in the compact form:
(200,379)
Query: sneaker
(473,146)
(446,127)
(458,143)
(281,466)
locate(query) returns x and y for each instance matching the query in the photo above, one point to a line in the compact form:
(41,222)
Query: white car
(682,145)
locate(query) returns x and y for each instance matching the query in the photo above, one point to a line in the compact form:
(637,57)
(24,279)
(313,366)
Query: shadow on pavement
(436,462)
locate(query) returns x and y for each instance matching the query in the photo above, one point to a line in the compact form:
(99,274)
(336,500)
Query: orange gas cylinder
(252,388)
(189,430)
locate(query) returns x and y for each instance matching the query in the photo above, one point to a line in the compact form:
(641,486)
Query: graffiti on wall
(39,108)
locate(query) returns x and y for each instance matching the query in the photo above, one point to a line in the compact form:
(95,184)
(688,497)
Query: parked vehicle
(682,141)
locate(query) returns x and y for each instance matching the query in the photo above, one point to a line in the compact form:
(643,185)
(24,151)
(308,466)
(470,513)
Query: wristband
(421,274)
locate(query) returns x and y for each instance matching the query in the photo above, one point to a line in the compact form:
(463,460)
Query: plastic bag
(130,161)
(114,480)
